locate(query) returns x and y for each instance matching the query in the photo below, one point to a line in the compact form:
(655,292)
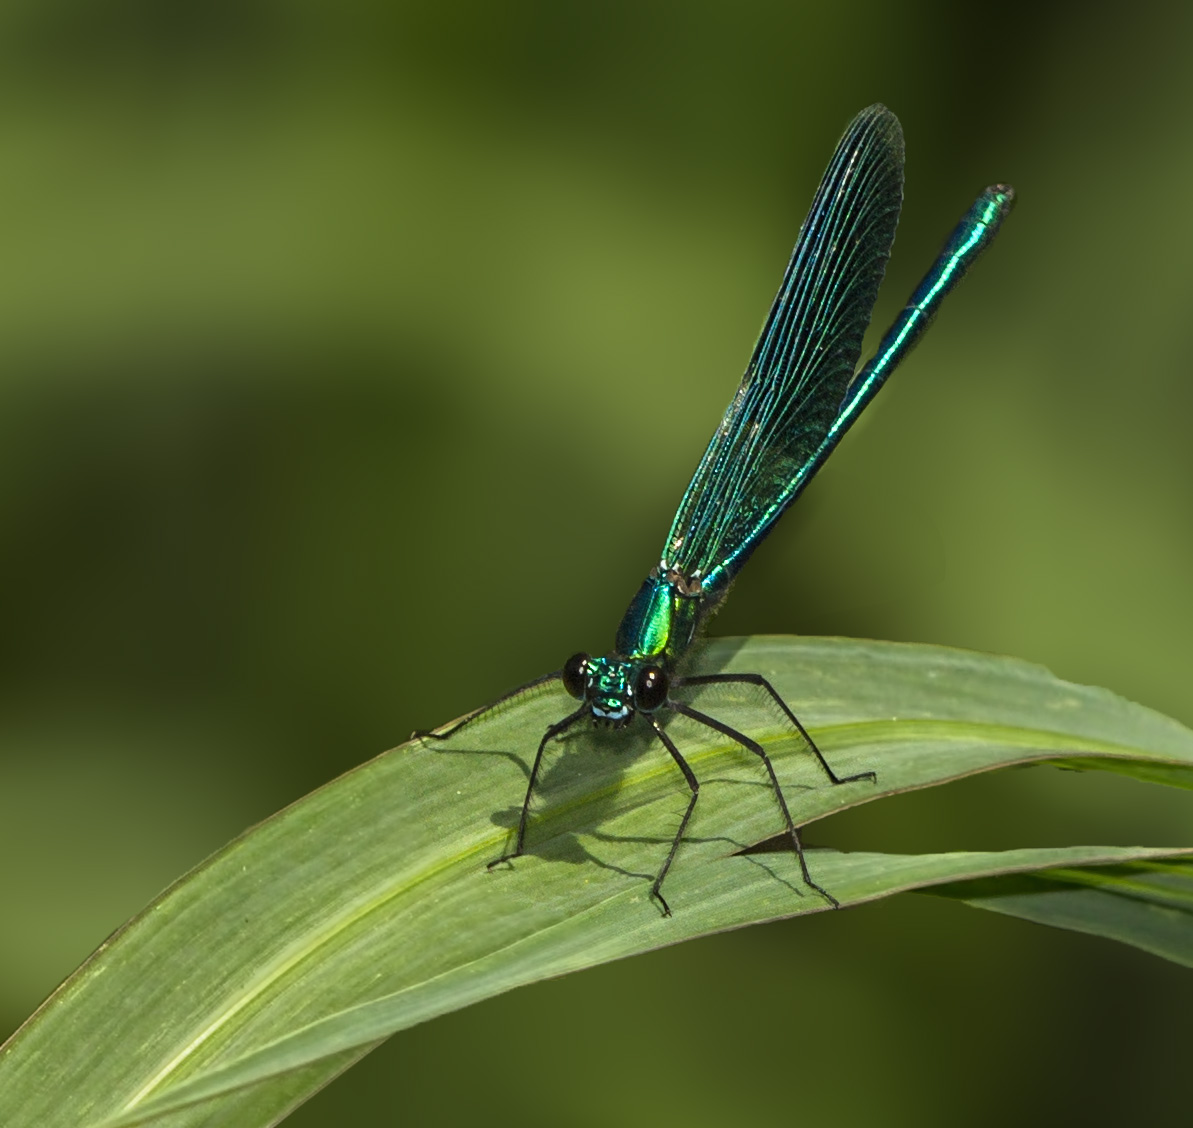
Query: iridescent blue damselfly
(801,392)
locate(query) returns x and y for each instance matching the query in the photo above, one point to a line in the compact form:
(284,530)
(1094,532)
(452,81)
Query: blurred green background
(352,360)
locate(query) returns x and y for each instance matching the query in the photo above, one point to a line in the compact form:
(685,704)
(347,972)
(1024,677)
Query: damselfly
(801,392)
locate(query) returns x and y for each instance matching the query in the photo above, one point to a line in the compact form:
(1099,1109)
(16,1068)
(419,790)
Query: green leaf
(1147,903)
(366,907)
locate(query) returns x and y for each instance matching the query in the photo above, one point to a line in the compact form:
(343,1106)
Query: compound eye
(575,671)
(650,689)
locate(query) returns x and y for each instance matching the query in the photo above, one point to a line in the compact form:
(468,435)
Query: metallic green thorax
(659,624)
(656,631)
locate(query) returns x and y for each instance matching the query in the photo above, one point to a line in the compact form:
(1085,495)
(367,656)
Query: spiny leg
(759,680)
(694,785)
(484,710)
(760,752)
(552,732)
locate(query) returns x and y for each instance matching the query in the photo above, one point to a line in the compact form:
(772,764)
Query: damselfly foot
(491,866)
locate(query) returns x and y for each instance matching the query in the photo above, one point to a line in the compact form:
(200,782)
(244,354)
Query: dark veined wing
(763,453)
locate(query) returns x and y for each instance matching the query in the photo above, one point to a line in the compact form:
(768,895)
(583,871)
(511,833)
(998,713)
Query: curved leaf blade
(366,906)
(731,901)
(1148,904)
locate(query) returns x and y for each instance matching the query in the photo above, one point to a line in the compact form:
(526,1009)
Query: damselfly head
(615,688)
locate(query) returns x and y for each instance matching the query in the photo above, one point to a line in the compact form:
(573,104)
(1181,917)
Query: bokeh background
(352,360)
